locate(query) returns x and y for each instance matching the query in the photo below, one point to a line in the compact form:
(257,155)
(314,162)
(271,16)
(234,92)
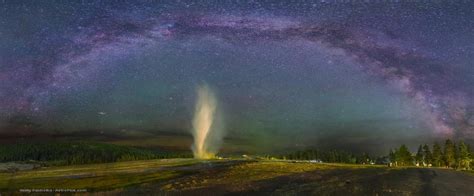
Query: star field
(292,73)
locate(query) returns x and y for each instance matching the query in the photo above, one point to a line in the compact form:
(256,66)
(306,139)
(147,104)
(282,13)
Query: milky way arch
(434,85)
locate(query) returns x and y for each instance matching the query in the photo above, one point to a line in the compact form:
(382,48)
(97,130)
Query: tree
(450,153)
(403,156)
(428,159)
(364,159)
(464,158)
(437,155)
(419,155)
(472,155)
(392,156)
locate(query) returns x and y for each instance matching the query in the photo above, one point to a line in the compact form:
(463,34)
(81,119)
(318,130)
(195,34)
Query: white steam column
(204,124)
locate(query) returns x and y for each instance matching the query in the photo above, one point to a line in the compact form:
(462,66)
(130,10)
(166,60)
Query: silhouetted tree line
(332,156)
(78,153)
(450,155)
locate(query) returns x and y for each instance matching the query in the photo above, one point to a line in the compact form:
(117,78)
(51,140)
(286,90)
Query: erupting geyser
(204,126)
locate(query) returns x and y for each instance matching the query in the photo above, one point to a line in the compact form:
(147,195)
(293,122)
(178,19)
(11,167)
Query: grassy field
(93,177)
(189,176)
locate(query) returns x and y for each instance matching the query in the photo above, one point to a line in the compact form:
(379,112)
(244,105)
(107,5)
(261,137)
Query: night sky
(286,74)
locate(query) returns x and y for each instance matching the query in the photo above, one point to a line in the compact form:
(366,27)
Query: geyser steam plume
(206,133)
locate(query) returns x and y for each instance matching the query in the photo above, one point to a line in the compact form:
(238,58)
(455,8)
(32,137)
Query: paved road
(373,181)
(331,181)
(369,181)
(448,182)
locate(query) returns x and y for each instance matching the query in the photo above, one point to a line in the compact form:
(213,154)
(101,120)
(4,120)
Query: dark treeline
(78,153)
(449,154)
(332,156)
